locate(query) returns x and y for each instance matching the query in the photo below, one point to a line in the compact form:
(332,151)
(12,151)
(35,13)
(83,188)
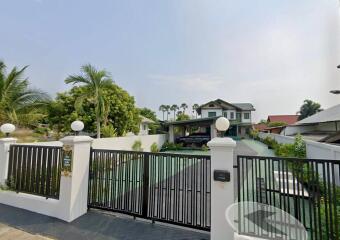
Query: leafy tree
(174,108)
(309,108)
(167,109)
(182,117)
(277,124)
(94,82)
(20,104)
(123,115)
(184,106)
(148,113)
(162,108)
(194,108)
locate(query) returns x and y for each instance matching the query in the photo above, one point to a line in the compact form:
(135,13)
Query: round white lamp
(222,124)
(7,128)
(77,126)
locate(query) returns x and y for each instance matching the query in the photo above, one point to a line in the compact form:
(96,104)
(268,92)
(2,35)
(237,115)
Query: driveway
(94,226)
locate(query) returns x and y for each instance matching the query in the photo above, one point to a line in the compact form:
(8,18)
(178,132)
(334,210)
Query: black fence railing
(171,188)
(35,170)
(307,189)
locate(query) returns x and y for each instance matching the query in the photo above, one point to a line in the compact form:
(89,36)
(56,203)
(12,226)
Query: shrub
(109,131)
(254,134)
(277,124)
(205,148)
(41,130)
(270,142)
(137,146)
(154,148)
(168,146)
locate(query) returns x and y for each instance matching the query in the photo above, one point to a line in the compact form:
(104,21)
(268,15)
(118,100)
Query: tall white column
(171,133)
(222,193)
(74,186)
(4,157)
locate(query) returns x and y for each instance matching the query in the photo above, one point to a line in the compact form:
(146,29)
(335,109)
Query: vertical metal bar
(145,185)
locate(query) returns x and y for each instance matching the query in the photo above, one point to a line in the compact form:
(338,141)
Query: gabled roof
(329,115)
(146,120)
(289,119)
(223,104)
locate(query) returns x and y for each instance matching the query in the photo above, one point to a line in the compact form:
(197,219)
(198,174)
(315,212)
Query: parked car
(197,139)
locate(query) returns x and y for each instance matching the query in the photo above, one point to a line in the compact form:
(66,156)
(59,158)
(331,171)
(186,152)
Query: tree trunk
(98,128)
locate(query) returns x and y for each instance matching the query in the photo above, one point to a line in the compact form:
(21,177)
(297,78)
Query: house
(276,123)
(144,125)
(323,126)
(239,115)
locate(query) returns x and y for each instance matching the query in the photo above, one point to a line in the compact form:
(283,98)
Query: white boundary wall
(315,150)
(125,143)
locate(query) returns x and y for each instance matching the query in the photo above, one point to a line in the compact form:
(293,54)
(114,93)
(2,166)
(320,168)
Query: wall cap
(222,142)
(6,140)
(76,139)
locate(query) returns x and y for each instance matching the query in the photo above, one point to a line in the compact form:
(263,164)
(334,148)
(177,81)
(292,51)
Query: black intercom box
(222,175)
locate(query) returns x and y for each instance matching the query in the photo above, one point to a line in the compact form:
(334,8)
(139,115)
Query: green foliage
(123,115)
(168,146)
(137,146)
(182,117)
(254,134)
(108,131)
(277,124)
(94,83)
(154,148)
(41,130)
(205,148)
(18,103)
(309,108)
(148,113)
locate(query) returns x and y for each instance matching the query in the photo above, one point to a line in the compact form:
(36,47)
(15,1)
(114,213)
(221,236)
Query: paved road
(93,226)
(9,233)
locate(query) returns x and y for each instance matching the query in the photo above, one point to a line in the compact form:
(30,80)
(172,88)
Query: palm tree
(174,108)
(18,103)
(309,108)
(194,108)
(95,82)
(162,109)
(184,106)
(167,109)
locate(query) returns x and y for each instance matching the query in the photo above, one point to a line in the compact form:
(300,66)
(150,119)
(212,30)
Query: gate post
(74,185)
(4,157)
(222,193)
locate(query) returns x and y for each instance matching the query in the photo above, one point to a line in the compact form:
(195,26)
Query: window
(211,114)
(225,114)
(246,115)
(238,116)
(231,115)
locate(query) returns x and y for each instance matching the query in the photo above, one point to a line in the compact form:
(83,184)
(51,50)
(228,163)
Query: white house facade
(239,114)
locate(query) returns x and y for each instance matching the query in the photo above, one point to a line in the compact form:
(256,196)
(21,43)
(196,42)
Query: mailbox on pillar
(221,176)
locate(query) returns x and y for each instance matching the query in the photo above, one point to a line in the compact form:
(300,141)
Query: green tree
(309,108)
(182,117)
(174,108)
(123,115)
(148,113)
(194,108)
(184,106)
(20,104)
(167,109)
(94,82)
(162,108)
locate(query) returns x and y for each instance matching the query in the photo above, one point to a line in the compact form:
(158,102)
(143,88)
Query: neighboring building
(285,119)
(144,125)
(239,115)
(323,126)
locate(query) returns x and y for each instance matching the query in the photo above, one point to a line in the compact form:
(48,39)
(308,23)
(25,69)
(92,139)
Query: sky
(271,53)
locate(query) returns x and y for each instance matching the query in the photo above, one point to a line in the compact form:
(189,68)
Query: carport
(185,127)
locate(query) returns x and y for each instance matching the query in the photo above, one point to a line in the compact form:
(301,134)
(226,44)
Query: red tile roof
(289,119)
(260,126)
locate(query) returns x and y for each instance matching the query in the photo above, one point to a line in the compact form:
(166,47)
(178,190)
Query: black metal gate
(308,189)
(171,188)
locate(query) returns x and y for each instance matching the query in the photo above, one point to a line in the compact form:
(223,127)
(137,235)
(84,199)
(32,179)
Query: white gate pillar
(74,185)
(4,157)
(222,193)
